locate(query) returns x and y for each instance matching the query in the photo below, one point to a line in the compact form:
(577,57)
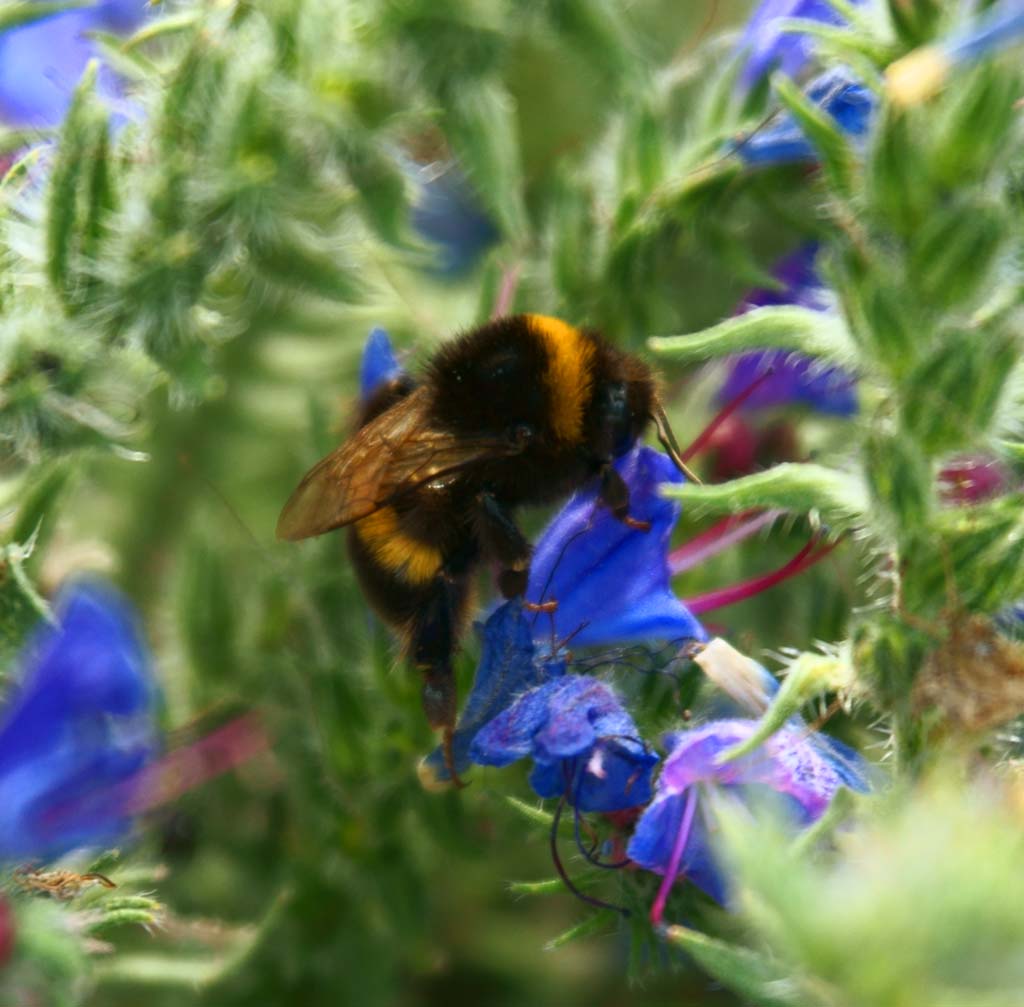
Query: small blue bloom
(611,582)
(379,363)
(508,666)
(782,141)
(41,62)
(1001,26)
(671,837)
(76,729)
(794,379)
(447,213)
(769,47)
(583,743)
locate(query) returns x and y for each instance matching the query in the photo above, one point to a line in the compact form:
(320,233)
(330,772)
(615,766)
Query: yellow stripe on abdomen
(414,561)
(569,376)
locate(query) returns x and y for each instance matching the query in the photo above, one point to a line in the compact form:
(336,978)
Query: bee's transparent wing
(393,454)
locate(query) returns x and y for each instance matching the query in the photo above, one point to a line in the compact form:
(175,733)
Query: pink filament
(678,848)
(184,768)
(805,558)
(723,414)
(728,532)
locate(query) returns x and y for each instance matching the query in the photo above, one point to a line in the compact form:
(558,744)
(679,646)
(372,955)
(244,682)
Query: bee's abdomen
(407,558)
(388,585)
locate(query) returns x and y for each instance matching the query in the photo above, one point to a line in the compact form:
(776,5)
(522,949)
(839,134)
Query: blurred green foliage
(183,301)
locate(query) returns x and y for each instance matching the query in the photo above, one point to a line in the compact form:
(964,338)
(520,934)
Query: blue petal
(583,742)
(77,728)
(379,364)
(507,668)
(769,47)
(1000,26)
(794,379)
(509,736)
(448,214)
(616,776)
(654,837)
(42,62)
(611,582)
(849,103)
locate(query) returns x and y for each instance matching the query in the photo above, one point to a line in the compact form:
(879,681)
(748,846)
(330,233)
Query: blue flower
(672,835)
(41,62)
(583,743)
(921,73)
(794,379)
(447,213)
(76,730)
(769,47)
(508,665)
(379,364)
(782,141)
(611,582)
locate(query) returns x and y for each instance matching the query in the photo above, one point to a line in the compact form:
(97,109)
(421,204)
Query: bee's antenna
(669,443)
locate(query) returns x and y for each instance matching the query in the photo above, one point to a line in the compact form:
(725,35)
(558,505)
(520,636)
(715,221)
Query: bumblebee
(520,411)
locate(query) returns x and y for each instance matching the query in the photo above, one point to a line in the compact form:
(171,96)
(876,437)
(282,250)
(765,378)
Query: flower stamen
(722,597)
(723,414)
(672,872)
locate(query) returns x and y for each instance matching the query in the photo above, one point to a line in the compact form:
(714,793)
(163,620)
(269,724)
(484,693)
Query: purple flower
(41,62)
(611,582)
(793,379)
(672,837)
(782,141)
(769,47)
(76,729)
(379,365)
(447,213)
(508,666)
(584,745)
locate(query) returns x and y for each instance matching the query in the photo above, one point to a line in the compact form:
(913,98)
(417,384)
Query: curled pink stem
(726,533)
(805,558)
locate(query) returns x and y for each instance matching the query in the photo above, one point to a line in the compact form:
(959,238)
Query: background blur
(322,873)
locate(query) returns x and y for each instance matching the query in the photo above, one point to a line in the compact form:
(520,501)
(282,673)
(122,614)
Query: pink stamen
(726,533)
(506,292)
(185,768)
(723,414)
(805,558)
(682,837)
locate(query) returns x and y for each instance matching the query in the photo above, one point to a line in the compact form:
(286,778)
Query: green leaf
(840,499)
(809,676)
(480,124)
(817,334)
(764,981)
(837,156)
(170,25)
(76,142)
(19,14)
(591,925)
(531,812)
(550,886)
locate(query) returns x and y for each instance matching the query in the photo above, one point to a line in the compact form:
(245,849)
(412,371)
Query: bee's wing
(394,453)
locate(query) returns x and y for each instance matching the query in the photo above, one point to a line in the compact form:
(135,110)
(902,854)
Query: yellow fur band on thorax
(568,376)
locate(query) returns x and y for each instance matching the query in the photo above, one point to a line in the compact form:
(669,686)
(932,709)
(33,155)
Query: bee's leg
(433,640)
(614,495)
(501,539)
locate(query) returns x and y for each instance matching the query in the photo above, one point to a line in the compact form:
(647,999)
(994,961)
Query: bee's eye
(520,434)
